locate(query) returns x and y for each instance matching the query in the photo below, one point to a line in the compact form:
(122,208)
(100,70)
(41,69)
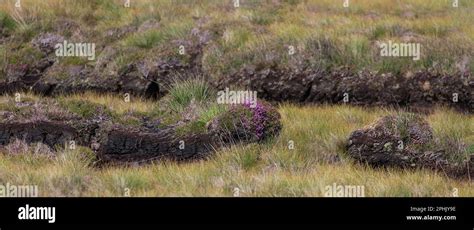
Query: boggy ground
(319,135)
(336,57)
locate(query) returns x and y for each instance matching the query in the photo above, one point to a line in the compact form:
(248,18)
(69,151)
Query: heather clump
(247,122)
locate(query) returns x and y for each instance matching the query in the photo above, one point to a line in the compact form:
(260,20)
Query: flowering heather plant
(249,123)
(259,118)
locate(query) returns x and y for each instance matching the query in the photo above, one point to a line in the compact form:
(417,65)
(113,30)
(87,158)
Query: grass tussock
(185,92)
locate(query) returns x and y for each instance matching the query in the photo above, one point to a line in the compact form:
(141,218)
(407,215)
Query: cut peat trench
(420,90)
(113,145)
(121,145)
(49,133)
(116,143)
(414,90)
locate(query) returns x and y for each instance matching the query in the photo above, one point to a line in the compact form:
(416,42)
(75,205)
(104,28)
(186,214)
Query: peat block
(405,141)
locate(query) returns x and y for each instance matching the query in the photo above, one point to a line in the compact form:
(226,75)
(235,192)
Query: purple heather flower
(259,118)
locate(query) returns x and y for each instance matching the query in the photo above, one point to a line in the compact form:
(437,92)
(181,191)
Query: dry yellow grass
(117,103)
